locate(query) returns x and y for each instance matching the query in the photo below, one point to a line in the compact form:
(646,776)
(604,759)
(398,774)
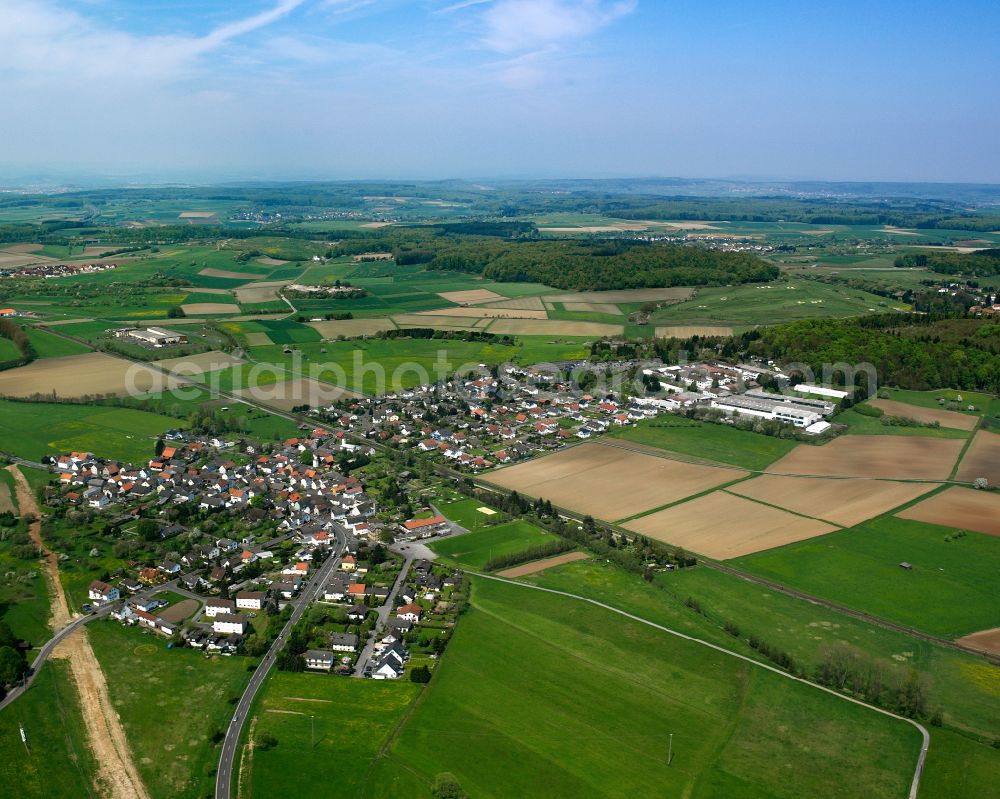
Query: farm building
(152,336)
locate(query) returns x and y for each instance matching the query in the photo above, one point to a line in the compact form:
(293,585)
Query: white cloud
(519,25)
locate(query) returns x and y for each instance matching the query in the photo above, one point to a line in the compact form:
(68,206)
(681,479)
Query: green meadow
(33,430)
(170,701)
(540,695)
(861,425)
(950,591)
(321,719)
(714,442)
(474,550)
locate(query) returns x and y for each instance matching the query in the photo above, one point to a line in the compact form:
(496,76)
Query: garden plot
(721,525)
(610,483)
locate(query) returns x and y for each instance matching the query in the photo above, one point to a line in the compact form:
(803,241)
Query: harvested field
(686,331)
(207,308)
(471,296)
(962,508)
(202,362)
(405,320)
(201,290)
(479,312)
(843,502)
(623,295)
(377,224)
(181,611)
(959,421)
(610,483)
(227,274)
(986,640)
(541,565)
(888,457)
(295,392)
(553,327)
(522,304)
(258,339)
(196,214)
(21,259)
(982,459)
(721,525)
(271,261)
(23,248)
(80,375)
(259,292)
(351,327)
(592,307)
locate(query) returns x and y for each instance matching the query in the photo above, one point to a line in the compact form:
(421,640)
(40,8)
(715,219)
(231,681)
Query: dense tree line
(984,263)
(911,351)
(10,329)
(529,554)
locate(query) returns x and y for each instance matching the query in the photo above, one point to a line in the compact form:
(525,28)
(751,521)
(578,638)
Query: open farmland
(843,502)
(502,692)
(470,296)
(624,295)
(536,566)
(351,327)
(964,508)
(209,308)
(982,459)
(959,421)
(110,432)
(478,312)
(888,457)
(202,362)
(986,640)
(950,589)
(721,525)
(229,274)
(687,331)
(554,327)
(610,483)
(295,392)
(82,375)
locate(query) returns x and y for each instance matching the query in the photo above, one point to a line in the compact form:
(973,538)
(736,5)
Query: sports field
(890,457)
(721,525)
(949,591)
(506,719)
(609,483)
(33,430)
(474,550)
(964,508)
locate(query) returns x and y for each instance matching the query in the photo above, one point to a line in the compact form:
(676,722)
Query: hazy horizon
(509,89)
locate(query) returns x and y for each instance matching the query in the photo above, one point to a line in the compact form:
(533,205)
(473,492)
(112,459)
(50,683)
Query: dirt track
(117,776)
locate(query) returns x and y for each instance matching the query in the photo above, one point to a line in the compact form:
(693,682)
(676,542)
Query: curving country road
(227,757)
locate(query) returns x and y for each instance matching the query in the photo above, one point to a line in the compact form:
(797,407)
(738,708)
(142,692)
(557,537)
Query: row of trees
(10,329)
(983,263)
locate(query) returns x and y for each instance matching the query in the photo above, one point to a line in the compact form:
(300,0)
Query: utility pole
(670,749)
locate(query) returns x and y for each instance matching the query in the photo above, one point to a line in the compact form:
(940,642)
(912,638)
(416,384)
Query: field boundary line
(918,771)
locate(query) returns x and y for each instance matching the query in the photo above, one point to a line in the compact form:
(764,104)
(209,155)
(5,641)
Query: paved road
(383,618)
(227,758)
(925,745)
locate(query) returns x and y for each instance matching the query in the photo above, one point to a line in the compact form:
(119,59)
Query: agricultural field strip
(673,456)
(918,770)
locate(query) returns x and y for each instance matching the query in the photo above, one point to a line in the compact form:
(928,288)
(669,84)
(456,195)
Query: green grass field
(351,719)
(772,304)
(951,590)
(539,695)
(56,761)
(861,425)
(170,701)
(712,442)
(49,345)
(8,350)
(33,430)
(473,550)
(965,687)
(930,399)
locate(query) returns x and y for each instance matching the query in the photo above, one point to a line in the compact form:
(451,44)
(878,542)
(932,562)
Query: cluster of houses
(59,270)
(475,425)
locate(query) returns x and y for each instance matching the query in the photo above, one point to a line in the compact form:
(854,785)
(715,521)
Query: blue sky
(501,88)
